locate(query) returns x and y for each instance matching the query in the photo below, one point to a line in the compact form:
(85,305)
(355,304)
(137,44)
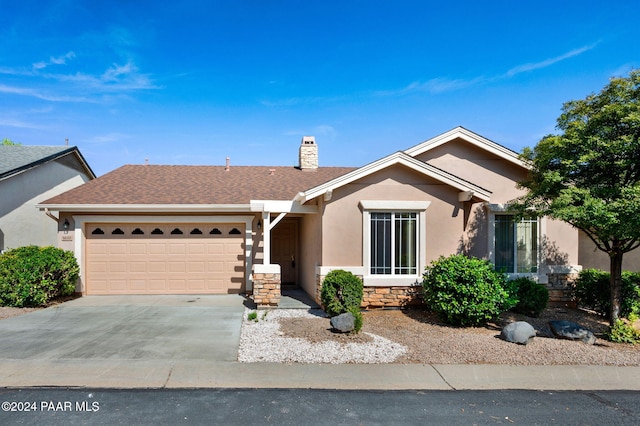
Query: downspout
(48,213)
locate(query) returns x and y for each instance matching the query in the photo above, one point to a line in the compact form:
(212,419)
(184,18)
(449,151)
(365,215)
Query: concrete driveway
(134,340)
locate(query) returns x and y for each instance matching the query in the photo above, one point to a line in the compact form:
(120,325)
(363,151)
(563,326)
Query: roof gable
(472,138)
(15,159)
(396,158)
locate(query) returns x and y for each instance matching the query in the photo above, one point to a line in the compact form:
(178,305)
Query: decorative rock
(571,331)
(343,323)
(520,332)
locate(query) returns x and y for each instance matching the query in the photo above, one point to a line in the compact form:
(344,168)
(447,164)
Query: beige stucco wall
(478,166)
(310,232)
(591,257)
(21,223)
(342,220)
(560,243)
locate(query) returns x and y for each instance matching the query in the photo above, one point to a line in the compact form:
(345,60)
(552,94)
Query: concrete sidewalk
(202,374)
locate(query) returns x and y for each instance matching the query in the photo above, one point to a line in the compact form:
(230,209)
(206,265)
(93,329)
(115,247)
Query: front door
(284,249)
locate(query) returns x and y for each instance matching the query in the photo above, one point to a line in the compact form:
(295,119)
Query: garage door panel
(157,248)
(196,267)
(115,267)
(177,248)
(196,248)
(137,267)
(151,260)
(138,248)
(117,285)
(118,248)
(157,267)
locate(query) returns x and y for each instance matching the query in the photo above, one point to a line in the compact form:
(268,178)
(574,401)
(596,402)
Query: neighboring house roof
(15,159)
(390,160)
(471,137)
(140,185)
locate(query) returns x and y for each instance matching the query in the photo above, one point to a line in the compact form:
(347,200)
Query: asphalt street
(58,406)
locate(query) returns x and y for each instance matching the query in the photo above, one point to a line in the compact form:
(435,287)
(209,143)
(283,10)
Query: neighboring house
(29,175)
(146,229)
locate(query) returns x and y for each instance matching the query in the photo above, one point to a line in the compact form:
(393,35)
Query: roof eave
(148,208)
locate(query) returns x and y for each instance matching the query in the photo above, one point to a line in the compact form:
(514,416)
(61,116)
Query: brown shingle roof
(149,184)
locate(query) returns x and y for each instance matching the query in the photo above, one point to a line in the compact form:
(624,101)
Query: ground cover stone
(572,331)
(344,323)
(520,332)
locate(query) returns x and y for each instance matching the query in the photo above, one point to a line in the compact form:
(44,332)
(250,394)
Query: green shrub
(32,276)
(341,291)
(592,291)
(623,332)
(532,297)
(357,319)
(466,291)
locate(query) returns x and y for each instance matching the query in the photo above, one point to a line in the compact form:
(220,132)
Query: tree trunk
(615,285)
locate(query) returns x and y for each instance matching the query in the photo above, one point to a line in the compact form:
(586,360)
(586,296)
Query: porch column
(266,238)
(266,286)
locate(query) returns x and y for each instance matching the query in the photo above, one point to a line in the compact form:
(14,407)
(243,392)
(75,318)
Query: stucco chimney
(308,153)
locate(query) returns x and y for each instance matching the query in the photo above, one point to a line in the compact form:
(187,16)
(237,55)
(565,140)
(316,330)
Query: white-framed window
(515,244)
(394,243)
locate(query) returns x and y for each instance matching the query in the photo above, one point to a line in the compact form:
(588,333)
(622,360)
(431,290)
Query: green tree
(9,142)
(589,175)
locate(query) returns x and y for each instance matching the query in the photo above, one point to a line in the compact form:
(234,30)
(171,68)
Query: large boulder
(344,323)
(520,332)
(563,329)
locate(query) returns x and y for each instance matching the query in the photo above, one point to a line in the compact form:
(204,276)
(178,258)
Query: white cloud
(441,85)
(42,94)
(109,137)
(11,122)
(60,60)
(548,62)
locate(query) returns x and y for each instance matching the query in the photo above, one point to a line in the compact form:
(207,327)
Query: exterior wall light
(65,225)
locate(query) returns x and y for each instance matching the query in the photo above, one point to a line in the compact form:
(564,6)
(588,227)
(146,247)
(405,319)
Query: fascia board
(472,138)
(281,206)
(147,208)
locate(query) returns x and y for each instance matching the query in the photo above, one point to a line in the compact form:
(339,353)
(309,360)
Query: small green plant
(343,292)
(465,290)
(31,276)
(357,319)
(253,316)
(532,297)
(623,332)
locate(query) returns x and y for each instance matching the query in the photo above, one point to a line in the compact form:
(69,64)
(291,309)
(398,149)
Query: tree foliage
(589,175)
(9,142)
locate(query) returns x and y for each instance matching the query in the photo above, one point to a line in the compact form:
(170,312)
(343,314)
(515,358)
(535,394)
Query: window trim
(390,206)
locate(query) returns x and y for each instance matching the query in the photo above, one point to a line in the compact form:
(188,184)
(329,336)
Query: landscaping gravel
(417,336)
(264,341)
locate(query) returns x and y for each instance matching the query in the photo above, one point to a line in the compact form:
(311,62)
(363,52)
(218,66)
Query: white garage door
(164,258)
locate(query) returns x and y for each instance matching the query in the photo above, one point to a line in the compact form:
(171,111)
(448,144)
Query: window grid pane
(504,255)
(381,243)
(405,243)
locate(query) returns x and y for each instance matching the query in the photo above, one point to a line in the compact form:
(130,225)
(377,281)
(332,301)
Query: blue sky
(193,82)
